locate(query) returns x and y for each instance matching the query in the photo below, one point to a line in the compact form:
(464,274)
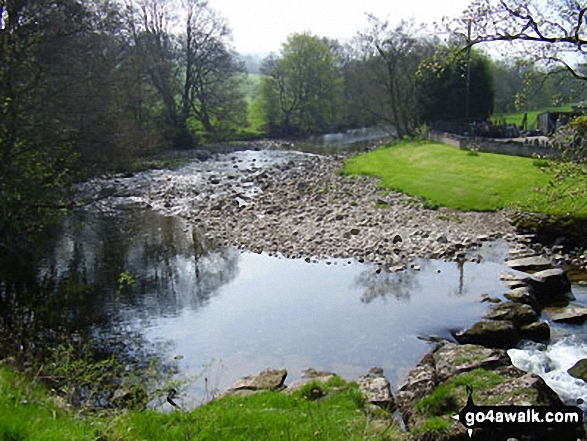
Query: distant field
(518,117)
(250,87)
(445,176)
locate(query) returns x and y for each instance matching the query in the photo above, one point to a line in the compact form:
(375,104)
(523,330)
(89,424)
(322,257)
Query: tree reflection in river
(74,288)
(385,284)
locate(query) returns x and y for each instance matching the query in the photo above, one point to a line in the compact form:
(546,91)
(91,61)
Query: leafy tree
(302,92)
(195,74)
(384,83)
(454,86)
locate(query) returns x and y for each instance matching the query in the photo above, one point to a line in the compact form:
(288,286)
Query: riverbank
(300,206)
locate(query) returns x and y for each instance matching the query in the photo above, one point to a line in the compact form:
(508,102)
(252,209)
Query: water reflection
(238,313)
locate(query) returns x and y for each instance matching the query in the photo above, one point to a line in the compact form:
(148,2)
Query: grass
(29,412)
(518,117)
(445,176)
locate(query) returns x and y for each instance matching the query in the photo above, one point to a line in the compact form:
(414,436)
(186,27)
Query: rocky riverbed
(300,205)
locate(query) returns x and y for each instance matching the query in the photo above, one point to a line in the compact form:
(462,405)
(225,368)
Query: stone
(518,313)
(550,286)
(490,333)
(269,379)
(524,295)
(355,231)
(396,239)
(376,389)
(535,263)
(579,370)
(576,315)
(537,331)
(309,376)
(452,359)
(487,298)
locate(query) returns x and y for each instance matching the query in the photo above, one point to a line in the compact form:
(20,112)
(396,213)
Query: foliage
(302,91)
(453,85)
(566,174)
(383,83)
(446,176)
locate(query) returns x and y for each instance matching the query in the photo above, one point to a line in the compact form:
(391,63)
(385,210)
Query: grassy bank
(30,412)
(445,176)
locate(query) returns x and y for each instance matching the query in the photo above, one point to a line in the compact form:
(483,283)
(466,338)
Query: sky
(261,26)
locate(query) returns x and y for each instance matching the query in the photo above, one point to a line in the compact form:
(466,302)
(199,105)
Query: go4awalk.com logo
(530,422)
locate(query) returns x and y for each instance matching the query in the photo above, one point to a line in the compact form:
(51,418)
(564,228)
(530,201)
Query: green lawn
(518,117)
(446,176)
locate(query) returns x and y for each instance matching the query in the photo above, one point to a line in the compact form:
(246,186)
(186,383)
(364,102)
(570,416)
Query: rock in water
(571,315)
(535,263)
(579,370)
(491,334)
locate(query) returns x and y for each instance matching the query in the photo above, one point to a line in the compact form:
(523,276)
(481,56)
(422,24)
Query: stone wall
(525,147)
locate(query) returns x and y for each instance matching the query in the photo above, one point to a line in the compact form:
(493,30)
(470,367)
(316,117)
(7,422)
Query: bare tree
(552,32)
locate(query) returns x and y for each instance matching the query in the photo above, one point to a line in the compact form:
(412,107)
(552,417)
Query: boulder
(452,359)
(535,263)
(523,294)
(575,315)
(579,370)
(269,379)
(435,391)
(490,333)
(376,389)
(550,286)
(518,313)
(537,331)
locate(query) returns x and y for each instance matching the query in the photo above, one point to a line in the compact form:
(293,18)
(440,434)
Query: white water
(552,361)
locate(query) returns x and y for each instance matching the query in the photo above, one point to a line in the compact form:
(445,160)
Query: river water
(219,314)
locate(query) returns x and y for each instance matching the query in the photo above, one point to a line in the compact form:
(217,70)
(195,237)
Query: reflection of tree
(385,284)
(74,287)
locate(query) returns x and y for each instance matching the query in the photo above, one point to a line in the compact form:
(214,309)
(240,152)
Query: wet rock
(490,333)
(579,370)
(535,263)
(486,298)
(575,315)
(518,313)
(396,239)
(537,331)
(550,285)
(444,372)
(524,295)
(376,389)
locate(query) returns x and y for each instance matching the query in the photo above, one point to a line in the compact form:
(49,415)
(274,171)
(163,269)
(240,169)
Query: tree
(453,85)
(384,84)
(552,32)
(195,73)
(302,92)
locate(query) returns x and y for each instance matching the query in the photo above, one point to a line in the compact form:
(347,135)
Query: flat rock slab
(519,313)
(452,359)
(551,285)
(571,315)
(309,376)
(491,334)
(535,263)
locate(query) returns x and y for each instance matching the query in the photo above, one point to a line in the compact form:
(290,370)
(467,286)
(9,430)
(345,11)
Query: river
(218,313)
